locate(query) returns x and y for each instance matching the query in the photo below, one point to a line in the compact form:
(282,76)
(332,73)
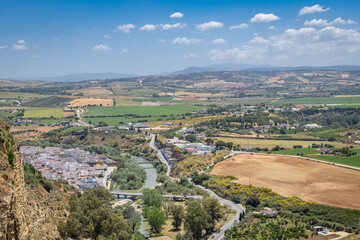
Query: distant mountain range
(245,67)
(209,68)
(80,77)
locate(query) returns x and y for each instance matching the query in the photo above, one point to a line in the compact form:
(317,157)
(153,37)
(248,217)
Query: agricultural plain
(291,176)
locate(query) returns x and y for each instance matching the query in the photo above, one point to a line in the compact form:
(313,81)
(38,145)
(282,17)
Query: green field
(321,100)
(112,121)
(141,110)
(44,113)
(21,95)
(310,152)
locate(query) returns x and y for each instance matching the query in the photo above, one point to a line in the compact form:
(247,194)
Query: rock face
(15,220)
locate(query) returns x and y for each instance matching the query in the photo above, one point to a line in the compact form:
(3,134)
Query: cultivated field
(93,92)
(321,100)
(141,110)
(290,176)
(270,143)
(44,113)
(91,101)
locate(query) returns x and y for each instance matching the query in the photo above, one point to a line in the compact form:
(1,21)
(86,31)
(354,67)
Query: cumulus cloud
(272,27)
(148,27)
(295,42)
(264,17)
(324,22)
(35,56)
(101,47)
(3,47)
(185,40)
(190,55)
(209,25)
(176,15)
(240,26)
(169,26)
(19,47)
(125,27)
(106,36)
(22,42)
(124,50)
(161,40)
(218,40)
(313,9)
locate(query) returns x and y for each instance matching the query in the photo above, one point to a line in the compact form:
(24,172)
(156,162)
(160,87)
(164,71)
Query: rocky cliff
(27,209)
(15,220)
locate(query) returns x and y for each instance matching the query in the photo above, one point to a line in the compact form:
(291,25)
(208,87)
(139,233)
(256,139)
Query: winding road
(80,122)
(219,234)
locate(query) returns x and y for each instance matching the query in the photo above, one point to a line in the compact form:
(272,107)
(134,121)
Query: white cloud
(324,22)
(176,15)
(272,27)
(293,43)
(19,47)
(124,50)
(218,40)
(313,9)
(106,36)
(101,47)
(185,40)
(209,25)
(148,27)
(169,26)
(125,27)
(190,55)
(35,56)
(22,42)
(161,40)
(240,26)
(263,17)
(3,47)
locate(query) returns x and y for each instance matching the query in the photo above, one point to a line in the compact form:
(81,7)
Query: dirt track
(290,176)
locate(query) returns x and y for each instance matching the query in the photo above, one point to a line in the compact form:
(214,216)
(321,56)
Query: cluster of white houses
(78,167)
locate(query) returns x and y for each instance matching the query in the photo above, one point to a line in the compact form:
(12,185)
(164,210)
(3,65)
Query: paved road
(165,196)
(160,155)
(80,122)
(219,234)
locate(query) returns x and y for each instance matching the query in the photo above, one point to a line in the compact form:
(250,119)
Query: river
(150,182)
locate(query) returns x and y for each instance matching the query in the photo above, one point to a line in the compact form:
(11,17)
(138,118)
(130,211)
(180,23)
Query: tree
(152,197)
(213,209)
(196,219)
(183,180)
(220,144)
(156,219)
(178,215)
(209,141)
(253,200)
(229,145)
(190,138)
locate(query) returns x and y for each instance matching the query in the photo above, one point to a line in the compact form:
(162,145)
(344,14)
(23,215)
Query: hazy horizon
(50,38)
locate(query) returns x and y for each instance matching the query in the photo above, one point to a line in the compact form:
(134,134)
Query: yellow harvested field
(81,102)
(93,92)
(302,79)
(201,95)
(275,80)
(292,176)
(347,96)
(218,84)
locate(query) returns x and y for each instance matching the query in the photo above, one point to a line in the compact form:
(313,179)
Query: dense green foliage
(91,214)
(129,176)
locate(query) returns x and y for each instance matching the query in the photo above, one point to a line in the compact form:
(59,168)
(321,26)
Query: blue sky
(49,38)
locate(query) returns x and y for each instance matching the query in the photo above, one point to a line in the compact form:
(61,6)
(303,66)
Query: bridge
(137,195)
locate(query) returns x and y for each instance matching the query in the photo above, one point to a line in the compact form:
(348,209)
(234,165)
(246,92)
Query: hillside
(30,205)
